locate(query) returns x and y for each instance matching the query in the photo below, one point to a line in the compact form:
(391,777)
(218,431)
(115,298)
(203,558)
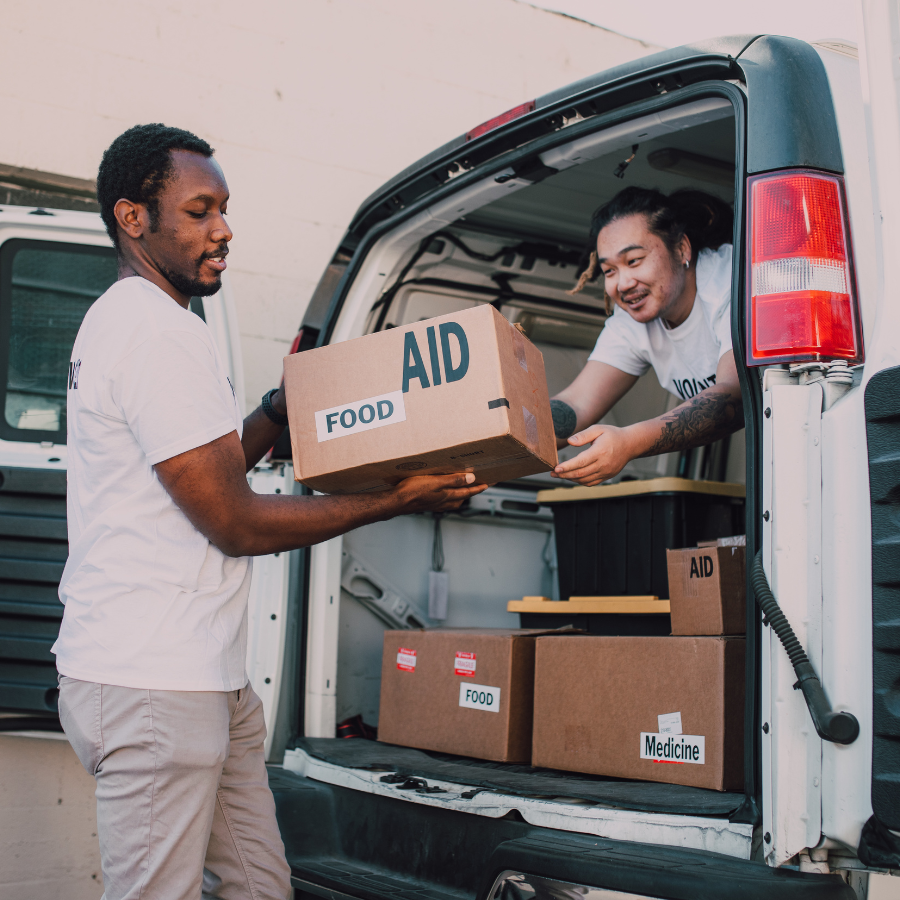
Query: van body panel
(843,76)
(790,116)
(846,670)
(792,535)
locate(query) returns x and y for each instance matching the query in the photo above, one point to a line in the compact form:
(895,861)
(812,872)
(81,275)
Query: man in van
(666,265)
(162,524)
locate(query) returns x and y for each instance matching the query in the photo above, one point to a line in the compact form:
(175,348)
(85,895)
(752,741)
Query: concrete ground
(48,823)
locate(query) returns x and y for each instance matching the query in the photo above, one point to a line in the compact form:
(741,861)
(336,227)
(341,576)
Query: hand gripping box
(467,691)
(667,709)
(464,392)
(707,588)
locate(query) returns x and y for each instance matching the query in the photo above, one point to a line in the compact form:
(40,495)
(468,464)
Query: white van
(500,216)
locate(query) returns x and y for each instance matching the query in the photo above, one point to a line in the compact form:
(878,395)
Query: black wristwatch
(270,410)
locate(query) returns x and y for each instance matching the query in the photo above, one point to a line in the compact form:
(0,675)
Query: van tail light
(511,114)
(803,303)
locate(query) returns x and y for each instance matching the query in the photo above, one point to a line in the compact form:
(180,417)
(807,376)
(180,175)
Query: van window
(45,290)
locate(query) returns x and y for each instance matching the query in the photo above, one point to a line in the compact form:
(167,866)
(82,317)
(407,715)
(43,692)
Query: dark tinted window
(45,290)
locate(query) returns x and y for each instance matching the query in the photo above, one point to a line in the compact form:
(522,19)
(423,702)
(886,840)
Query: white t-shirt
(684,358)
(150,602)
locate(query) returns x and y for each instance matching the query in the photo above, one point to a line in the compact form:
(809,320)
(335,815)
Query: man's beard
(192,287)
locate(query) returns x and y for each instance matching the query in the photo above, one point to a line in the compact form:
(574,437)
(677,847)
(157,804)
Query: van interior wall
(522,253)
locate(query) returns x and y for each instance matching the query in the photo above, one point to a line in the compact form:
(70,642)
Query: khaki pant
(184,809)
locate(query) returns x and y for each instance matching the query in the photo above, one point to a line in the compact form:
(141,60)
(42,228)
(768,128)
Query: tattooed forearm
(703,419)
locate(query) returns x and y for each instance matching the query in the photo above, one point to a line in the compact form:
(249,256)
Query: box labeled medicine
(466,691)
(667,709)
(465,392)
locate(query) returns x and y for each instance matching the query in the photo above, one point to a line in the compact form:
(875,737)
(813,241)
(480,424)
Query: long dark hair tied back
(706,220)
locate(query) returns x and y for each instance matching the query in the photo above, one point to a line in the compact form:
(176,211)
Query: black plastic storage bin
(611,540)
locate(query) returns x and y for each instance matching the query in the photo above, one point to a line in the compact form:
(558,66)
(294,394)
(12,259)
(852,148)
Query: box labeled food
(708,589)
(465,392)
(667,709)
(468,692)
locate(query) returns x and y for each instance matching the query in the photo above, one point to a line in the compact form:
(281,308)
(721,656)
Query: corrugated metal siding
(33,550)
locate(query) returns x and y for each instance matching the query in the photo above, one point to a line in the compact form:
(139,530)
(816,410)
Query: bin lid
(650,486)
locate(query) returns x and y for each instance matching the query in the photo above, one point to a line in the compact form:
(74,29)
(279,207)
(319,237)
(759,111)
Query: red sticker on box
(406,659)
(464,664)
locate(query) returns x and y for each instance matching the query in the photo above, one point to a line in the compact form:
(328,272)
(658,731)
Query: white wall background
(311,105)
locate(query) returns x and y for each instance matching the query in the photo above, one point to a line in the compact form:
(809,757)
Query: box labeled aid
(707,589)
(468,692)
(667,709)
(464,392)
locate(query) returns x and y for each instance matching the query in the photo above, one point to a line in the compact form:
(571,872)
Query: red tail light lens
(802,294)
(514,113)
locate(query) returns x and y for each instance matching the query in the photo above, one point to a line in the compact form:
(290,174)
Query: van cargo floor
(642,796)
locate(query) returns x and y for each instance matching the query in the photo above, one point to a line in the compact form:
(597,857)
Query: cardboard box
(468,692)
(667,709)
(708,589)
(464,392)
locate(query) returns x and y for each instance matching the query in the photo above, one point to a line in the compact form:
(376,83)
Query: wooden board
(631,488)
(580,605)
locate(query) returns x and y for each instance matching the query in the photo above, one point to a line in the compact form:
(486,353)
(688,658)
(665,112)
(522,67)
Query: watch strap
(270,410)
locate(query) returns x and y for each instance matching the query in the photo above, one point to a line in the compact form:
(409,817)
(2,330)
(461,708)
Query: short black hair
(705,219)
(136,166)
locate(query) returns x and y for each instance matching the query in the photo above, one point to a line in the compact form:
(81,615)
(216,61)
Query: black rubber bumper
(343,843)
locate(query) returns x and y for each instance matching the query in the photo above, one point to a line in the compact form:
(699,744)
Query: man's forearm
(273,524)
(711,415)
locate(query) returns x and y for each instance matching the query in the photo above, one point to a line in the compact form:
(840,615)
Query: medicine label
(673,748)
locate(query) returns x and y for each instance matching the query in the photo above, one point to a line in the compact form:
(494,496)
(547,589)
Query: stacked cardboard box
(654,708)
(465,691)
(666,709)
(707,587)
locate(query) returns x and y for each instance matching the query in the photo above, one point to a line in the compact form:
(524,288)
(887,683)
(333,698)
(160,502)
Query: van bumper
(342,843)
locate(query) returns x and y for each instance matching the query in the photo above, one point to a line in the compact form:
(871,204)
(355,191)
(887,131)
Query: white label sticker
(670,723)
(464,664)
(360,415)
(479,696)
(670,748)
(406,659)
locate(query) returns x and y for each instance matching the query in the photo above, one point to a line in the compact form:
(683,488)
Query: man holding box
(151,653)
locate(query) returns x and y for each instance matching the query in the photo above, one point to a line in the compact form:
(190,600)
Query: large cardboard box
(708,589)
(468,692)
(464,392)
(667,709)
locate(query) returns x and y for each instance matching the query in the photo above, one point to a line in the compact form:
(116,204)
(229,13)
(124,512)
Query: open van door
(880,63)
